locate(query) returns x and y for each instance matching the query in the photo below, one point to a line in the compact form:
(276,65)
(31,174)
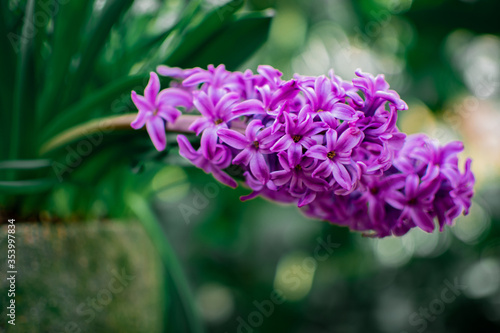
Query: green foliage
(67,63)
(226,45)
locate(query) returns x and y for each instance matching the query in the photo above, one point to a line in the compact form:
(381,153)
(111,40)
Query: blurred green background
(235,259)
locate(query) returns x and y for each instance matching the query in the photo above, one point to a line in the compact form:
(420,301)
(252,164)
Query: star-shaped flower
(252,151)
(336,155)
(155,108)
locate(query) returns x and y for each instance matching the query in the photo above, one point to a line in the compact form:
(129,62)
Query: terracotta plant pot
(87,277)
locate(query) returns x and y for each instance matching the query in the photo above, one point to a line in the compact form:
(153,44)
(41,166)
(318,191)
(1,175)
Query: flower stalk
(110,124)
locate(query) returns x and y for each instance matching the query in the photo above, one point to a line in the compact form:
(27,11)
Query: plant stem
(122,122)
(109,124)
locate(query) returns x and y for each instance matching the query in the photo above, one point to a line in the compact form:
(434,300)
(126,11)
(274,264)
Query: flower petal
(411,186)
(282,144)
(209,143)
(186,149)
(422,219)
(156,130)
(322,88)
(197,78)
(244,157)
(249,107)
(222,157)
(222,109)
(343,112)
(271,74)
(329,119)
(349,139)
(427,189)
(325,169)
(396,199)
(174,97)
(376,210)
(152,89)
(286,92)
(342,176)
(140,120)
(259,168)
(315,183)
(452,149)
(307,199)
(169,113)
(199,125)
(318,152)
(174,72)
(281,177)
(331,139)
(142,103)
(253,128)
(393,98)
(294,154)
(204,104)
(233,138)
(224,178)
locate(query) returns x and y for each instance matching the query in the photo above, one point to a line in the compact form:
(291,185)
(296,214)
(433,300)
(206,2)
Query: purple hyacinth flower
(464,189)
(328,102)
(155,108)
(297,133)
(444,159)
(252,153)
(270,99)
(330,146)
(271,75)
(176,72)
(376,188)
(216,77)
(244,84)
(215,107)
(336,155)
(297,175)
(268,190)
(220,160)
(445,207)
(255,106)
(377,92)
(415,203)
(350,91)
(452,200)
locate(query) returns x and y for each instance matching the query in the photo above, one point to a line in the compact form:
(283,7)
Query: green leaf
(147,47)
(93,44)
(24,94)
(235,43)
(8,41)
(25,164)
(189,43)
(173,268)
(188,13)
(108,97)
(68,26)
(27,186)
(41,44)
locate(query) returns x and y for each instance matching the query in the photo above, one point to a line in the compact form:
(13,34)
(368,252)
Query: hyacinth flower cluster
(329,146)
